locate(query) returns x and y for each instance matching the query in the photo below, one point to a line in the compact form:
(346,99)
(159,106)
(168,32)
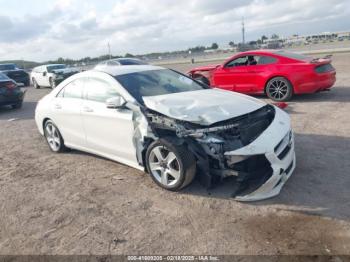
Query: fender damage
(256,147)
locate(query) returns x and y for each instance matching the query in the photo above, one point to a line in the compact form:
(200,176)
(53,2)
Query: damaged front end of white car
(233,136)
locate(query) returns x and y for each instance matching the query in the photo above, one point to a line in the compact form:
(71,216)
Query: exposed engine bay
(209,144)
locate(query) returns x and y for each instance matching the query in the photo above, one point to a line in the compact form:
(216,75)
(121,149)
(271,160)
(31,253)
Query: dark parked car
(119,62)
(16,74)
(10,93)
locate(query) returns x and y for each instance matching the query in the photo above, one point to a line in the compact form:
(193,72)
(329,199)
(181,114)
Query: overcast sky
(47,29)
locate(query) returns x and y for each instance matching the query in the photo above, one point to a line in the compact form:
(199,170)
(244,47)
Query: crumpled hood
(204,107)
(204,68)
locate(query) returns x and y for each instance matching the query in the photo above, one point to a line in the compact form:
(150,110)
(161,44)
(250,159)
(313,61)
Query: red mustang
(276,73)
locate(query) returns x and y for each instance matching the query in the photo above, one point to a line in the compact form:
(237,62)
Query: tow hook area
(252,174)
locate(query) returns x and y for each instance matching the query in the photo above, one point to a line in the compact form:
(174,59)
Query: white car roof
(123,70)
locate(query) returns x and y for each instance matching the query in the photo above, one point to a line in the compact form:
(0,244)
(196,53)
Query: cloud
(71,28)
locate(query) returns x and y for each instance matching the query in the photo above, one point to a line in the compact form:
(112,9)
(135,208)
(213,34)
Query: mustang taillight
(325,68)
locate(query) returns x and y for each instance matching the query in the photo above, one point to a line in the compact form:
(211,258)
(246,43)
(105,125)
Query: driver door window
(241,61)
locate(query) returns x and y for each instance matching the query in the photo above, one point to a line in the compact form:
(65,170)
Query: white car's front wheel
(52,83)
(35,84)
(172,167)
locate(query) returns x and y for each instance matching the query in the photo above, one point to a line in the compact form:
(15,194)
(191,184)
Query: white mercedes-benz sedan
(171,126)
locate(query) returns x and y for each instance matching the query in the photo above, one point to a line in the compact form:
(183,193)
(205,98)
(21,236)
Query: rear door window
(73,90)
(266,60)
(99,91)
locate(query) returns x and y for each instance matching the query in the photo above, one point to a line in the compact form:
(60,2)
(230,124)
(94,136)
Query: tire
(52,83)
(176,168)
(53,137)
(17,106)
(35,84)
(203,80)
(279,89)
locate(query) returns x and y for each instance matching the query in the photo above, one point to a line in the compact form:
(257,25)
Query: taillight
(10,85)
(324,68)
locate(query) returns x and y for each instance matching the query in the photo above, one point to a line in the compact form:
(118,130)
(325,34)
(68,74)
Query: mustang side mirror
(44,73)
(115,102)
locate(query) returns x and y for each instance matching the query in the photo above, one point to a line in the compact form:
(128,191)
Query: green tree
(60,60)
(274,36)
(214,46)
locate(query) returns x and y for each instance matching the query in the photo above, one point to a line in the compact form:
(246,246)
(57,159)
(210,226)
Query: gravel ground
(76,203)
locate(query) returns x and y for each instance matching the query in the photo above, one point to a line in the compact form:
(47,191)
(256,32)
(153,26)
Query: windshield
(157,82)
(8,67)
(293,55)
(55,67)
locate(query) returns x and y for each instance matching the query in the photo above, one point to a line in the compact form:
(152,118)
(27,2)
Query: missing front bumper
(282,163)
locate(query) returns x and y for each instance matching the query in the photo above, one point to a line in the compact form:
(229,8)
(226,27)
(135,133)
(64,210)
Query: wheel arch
(278,75)
(44,122)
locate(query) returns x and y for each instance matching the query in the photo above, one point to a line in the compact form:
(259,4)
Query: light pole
(243,31)
(109,51)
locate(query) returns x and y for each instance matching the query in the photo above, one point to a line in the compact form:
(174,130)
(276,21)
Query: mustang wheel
(53,137)
(171,167)
(279,89)
(35,84)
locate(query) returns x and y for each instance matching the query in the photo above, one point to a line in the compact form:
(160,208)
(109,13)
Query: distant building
(305,39)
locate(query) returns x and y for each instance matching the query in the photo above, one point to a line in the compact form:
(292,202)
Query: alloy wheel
(278,89)
(164,166)
(52,137)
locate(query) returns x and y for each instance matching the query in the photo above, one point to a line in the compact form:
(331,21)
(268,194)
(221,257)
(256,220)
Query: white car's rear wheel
(171,167)
(53,137)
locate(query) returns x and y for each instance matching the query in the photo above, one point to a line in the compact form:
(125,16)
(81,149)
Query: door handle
(57,106)
(87,109)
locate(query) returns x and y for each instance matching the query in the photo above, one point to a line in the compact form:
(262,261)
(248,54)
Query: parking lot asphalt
(77,203)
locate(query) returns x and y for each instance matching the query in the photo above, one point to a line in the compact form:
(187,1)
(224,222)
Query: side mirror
(115,102)
(44,73)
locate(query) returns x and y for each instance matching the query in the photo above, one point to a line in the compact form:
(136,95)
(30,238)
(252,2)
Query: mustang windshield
(157,82)
(292,55)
